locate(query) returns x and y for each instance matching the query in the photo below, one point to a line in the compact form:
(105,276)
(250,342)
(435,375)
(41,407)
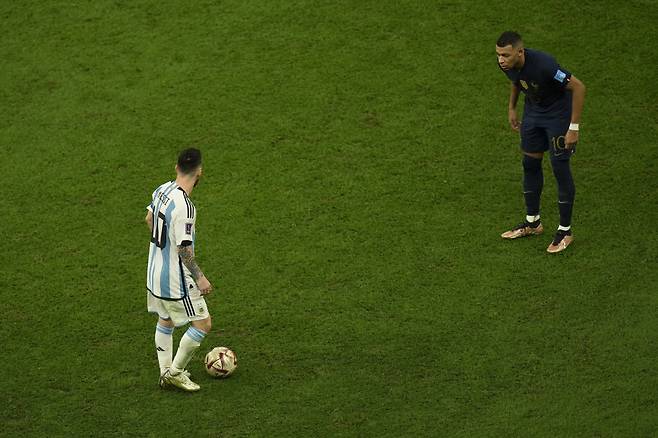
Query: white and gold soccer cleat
(180,380)
(163,384)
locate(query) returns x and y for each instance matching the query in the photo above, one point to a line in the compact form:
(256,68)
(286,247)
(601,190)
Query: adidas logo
(161,349)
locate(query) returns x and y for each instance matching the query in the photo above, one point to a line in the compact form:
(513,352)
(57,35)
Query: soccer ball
(221,362)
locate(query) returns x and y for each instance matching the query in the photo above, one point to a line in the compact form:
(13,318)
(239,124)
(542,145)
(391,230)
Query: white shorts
(181,312)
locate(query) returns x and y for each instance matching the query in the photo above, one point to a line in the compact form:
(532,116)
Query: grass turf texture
(358,171)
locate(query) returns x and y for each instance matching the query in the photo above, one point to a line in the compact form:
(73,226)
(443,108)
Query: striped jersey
(174,218)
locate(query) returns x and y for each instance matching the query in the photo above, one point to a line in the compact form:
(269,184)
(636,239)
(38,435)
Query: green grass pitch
(358,172)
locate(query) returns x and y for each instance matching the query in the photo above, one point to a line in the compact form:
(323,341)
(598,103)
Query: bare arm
(149,220)
(513,97)
(187,257)
(186,254)
(577,89)
(511,107)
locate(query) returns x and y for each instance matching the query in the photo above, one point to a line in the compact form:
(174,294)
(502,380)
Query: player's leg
(164,330)
(533,183)
(194,311)
(533,145)
(164,342)
(566,189)
(189,343)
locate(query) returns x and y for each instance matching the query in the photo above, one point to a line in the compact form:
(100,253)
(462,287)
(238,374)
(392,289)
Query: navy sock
(533,182)
(566,190)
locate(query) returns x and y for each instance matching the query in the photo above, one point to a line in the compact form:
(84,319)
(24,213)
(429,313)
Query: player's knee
(204,324)
(165,322)
(537,155)
(531,164)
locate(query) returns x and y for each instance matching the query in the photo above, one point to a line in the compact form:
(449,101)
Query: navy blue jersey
(544,83)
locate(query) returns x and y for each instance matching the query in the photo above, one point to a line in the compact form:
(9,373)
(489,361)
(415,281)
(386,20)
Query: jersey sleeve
(184,220)
(556,73)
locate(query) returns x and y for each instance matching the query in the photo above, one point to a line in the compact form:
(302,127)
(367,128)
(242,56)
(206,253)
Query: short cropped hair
(509,37)
(189,160)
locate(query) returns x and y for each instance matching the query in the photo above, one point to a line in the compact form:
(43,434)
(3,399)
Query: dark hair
(189,160)
(509,37)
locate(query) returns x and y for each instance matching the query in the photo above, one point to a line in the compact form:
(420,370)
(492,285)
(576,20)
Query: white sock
(189,343)
(532,218)
(562,228)
(164,341)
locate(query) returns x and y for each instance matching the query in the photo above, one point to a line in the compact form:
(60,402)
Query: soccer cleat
(524,229)
(180,380)
(560,242)
(162,382)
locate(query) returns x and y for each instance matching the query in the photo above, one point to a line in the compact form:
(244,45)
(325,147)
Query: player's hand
(571,139)
(204,285)
(513,121)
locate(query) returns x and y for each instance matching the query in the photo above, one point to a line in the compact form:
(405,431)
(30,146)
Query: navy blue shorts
(541,135)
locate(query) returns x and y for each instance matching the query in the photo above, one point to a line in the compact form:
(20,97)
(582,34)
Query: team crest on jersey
(524,84)
(188,228)
(560,75)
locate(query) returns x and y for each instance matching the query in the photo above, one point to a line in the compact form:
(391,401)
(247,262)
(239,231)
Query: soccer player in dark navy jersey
(553,103)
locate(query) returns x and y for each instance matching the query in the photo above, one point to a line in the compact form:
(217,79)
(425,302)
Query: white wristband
(573,126)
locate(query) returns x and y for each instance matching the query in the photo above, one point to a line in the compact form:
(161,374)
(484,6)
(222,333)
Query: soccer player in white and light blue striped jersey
(175,284)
